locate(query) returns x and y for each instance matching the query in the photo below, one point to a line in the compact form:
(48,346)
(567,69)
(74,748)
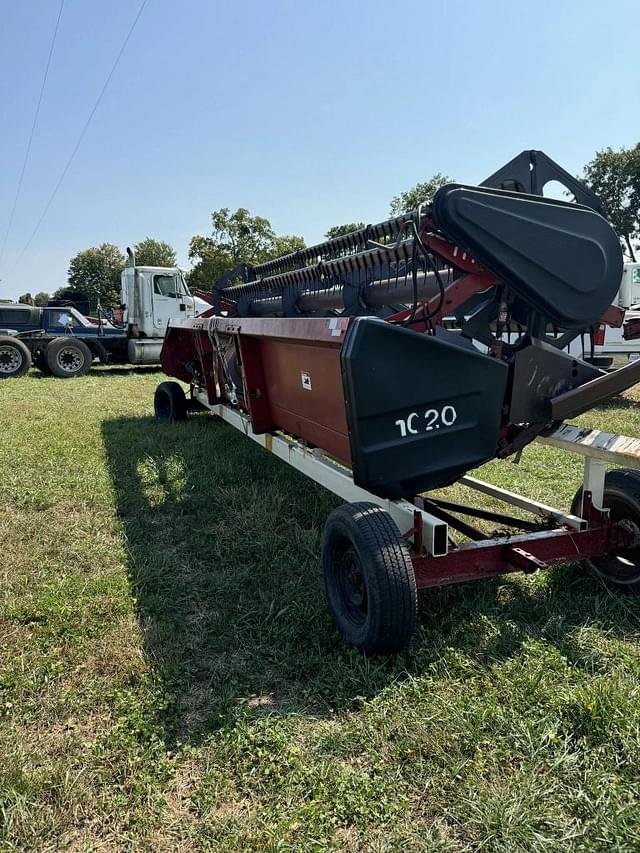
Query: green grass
(170,679)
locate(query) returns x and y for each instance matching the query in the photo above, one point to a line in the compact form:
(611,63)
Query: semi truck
(63,342)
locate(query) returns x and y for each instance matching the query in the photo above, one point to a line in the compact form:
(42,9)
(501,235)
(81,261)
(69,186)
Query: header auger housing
(403,355)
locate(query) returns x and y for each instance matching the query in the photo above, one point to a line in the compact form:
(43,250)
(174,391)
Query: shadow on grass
(107,370)
(125,370)
(223,544)
(617,403)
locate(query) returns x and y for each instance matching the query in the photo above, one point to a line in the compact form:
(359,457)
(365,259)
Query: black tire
(170,402)
(369,579)
(15,357)
(622,498)
(68,357)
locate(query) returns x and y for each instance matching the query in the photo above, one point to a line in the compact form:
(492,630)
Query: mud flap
(421,410)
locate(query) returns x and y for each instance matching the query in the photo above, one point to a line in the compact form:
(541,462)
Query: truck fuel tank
(141,351)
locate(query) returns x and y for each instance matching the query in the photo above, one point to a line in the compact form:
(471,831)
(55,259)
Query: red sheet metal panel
(292,377)
(303,384)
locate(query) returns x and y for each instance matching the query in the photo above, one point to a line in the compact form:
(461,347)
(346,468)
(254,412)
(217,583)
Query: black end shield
(563,259)
(421,410)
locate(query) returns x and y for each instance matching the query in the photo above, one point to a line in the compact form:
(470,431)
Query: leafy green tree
(236,238)
(25,299)
(340,230)
(615,177)
(41,298)
(209,262)
(287,244)
(96,272)
(422,192)
(154,253)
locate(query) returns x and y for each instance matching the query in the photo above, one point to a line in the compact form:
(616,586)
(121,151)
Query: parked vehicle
(61,341)
(625,341)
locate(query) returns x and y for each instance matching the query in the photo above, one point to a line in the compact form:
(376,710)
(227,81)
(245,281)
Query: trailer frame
(559,536)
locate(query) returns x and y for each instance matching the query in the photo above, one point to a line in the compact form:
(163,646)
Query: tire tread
(392,574)
(26,356)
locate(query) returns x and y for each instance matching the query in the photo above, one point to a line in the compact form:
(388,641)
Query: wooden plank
(607,446)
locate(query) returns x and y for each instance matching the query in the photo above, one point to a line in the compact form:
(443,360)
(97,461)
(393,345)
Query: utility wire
(33,128)
(82,134)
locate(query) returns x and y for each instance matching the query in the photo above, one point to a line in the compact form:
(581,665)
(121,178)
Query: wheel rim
(624,565)
(350,585)
(10,359)
(69,359)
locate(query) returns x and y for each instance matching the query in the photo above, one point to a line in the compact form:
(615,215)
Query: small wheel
(369,578)
(170,402)
(15,357)
(67,357)
(622,499)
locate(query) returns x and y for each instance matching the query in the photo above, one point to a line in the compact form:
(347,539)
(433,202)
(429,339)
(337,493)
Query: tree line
(240,237)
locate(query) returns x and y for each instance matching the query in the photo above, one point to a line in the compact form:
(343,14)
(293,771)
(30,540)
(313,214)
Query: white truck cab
(150,297)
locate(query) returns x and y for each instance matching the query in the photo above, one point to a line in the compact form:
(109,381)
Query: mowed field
(170,678)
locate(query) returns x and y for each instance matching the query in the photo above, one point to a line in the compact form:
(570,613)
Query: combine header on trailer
(391,361)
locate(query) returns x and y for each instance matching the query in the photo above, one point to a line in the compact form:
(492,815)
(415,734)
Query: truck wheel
(66,357)
(622,498)
(170,402)
(15,358)
(369,578)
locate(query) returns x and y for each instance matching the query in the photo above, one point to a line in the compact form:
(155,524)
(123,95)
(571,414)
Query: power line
(33,128)
(82,134)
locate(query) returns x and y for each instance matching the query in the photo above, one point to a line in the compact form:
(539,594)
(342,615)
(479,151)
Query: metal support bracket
(593,481)
(526,504)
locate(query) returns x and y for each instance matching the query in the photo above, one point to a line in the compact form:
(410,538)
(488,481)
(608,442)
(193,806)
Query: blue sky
(310,114)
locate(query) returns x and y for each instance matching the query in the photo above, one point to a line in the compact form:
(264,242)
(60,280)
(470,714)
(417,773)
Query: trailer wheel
(622,498)
(369,579)
(67,357)
(15,357)
(170,402)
